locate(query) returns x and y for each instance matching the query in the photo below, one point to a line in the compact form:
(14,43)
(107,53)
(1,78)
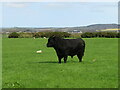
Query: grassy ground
(24,68)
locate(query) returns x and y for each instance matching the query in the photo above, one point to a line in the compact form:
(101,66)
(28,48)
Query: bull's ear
(53,36)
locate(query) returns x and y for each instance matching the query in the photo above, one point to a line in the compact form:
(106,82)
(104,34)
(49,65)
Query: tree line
(100,34)
(38,35)
(64,35)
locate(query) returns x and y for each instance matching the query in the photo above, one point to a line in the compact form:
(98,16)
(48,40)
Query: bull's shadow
(47,62)
(69,61)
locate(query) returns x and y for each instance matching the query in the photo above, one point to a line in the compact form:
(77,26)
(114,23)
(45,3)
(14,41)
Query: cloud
(58,5)
(16,5)
(55,4)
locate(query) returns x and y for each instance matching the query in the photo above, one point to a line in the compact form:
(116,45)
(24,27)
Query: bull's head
(52,41)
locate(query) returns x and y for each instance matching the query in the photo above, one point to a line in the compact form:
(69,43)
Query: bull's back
(74,46)
(74,42)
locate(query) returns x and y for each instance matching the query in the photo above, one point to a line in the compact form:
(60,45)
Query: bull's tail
(71,56)
(83,49)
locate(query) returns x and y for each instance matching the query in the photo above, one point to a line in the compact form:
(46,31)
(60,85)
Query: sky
(58,14)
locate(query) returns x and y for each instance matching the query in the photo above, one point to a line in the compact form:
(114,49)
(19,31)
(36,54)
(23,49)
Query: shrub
(65,34)
(36,35)
(25,35)
(49,34)
(76,35)
(118,35)
(88,35)
(13,35)
(100,34)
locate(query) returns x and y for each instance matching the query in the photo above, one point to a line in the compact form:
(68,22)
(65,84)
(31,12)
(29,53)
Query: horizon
(64,27)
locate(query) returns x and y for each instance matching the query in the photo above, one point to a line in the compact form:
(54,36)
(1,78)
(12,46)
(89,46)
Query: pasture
(24,68)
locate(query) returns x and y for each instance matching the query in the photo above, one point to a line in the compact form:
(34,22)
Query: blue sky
(58,14)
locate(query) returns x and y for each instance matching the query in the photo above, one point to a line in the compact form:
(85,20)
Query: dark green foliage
(39,35)
(25,35)
(118,35)
(49,34)
(88,35)
(36,35)
(13,35)
(101,34)
(76,35)
(65,35)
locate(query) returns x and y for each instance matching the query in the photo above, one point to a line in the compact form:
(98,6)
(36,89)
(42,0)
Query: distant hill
(94,27)
(102,26)
(89,28)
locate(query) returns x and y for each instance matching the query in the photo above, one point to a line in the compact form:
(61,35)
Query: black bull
(67,47)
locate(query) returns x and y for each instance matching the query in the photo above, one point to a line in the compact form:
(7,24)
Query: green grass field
(24,68)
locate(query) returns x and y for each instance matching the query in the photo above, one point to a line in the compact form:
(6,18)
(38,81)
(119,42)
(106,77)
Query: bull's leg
(81,54)
(59,58)
(65,59)
(80,57)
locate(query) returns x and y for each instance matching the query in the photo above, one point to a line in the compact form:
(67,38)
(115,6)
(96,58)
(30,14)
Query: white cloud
(58,5)
(16,5)
(55,4)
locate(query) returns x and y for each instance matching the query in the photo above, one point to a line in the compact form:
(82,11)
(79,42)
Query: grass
(24,68)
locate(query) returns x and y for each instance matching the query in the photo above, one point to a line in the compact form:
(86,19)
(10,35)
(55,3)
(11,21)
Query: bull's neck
(58,44)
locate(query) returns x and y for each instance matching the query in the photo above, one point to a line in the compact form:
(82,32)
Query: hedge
(39,35)
(13,35)
(101,34)
(65,34)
